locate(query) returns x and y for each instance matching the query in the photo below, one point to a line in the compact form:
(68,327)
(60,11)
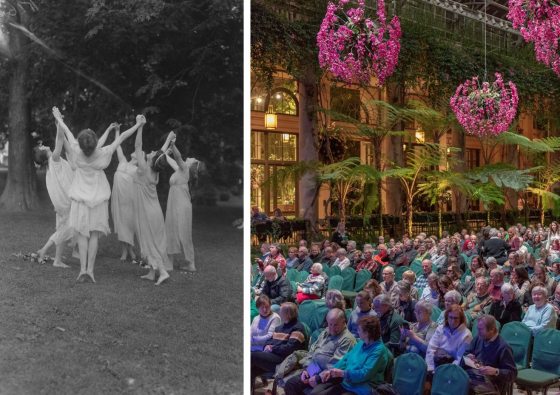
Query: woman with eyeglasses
(450,339)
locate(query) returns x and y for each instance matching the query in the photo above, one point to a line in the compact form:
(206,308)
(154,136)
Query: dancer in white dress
(90,191)
(122,203)
(178,218)
(150,225)
(58,179)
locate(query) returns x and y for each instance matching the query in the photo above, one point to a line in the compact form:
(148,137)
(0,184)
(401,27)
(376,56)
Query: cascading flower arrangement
(355,48)
(539,22)
(485,109)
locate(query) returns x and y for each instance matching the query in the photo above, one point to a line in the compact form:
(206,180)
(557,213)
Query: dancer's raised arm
(59,142)
(103,138)
(170,137)
(140,121)
(67,132)
(138,145)
(177,155)
(171,162)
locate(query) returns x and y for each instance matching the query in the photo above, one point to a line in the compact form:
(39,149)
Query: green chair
(335,282)
(545,363)
(335,271)
(518,336)
(436,311)
(294,287)
(409,374)
(467,259)
(292,275)
(327,270)
(306,311)
(416,267)
(362,277)
(450,378)
(399,272)
(348,313)
(348,276)
(302,276)
(319,314)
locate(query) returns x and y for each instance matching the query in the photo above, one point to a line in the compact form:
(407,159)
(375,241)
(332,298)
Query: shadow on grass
(123,334)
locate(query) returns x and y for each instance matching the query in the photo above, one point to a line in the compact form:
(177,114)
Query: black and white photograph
(121,197)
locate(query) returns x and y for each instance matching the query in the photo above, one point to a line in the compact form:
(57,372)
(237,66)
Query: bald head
(336,321)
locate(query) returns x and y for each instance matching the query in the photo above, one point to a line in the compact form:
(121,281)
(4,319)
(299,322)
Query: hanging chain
(485,70)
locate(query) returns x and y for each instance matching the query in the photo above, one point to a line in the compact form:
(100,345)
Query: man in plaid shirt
(422,280)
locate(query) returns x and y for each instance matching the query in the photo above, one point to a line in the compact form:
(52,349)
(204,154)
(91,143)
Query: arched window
(283,101)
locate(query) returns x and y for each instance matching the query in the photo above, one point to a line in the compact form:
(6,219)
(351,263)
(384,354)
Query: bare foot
(79,279)
(90,274)
(60,264)
(41,254)
(162,278)
(189,267)
(150,276)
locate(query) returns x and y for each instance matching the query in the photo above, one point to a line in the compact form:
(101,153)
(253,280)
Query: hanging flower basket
(485,109)
(538,22)
(355,48)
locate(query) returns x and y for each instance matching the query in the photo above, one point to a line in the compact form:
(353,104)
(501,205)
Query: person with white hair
(540,315)
(342,260)
(508,307)
(450,298)
(312,287)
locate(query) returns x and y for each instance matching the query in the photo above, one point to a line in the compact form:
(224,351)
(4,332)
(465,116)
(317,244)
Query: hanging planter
(485,109)
(354,48)
(538,22)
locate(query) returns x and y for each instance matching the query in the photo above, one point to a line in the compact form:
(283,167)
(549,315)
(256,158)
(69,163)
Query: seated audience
(287,338)
(277,288)
(494,357)
(328,349)
(313,286)
(304,262)
(389,285)
(415,337)
(506,309)
(540,315)
(450,298)
(264,324)
(362,368)
(342,260)
(390,321)
(364,308)
(292,260)
(405,304)
(450,339)
(431,292)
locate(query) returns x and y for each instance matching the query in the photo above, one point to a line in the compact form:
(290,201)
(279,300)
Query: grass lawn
(122,334)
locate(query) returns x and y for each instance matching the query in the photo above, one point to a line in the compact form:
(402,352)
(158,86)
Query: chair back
(362,277)
(436,311)
(450,378)
(518,336)
(546,351)
(306,311)
(409,374)
(302,276)
(416,267)
(292,274)
(335,271)
(348,276)
(335,282)
(399,272)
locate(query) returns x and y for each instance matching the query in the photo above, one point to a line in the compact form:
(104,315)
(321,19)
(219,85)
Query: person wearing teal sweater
(362,368)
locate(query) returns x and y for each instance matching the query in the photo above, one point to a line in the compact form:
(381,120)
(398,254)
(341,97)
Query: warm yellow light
(404,147)
(259,100)
(285,137)
(420,136)
(278,96)
(270,119)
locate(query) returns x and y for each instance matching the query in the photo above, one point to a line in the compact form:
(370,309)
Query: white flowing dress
(90,191)
(150,225)
(122,202)
(178,218)
(59,178)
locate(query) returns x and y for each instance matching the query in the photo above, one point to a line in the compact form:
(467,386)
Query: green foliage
(179,62)
(502,175)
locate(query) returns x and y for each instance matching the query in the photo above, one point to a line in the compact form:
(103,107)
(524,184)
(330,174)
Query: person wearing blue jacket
(362,368)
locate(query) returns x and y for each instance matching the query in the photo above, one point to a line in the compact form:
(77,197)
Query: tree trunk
(307,151)
(409,216)
(376,142)
(440,219)
(20,193)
